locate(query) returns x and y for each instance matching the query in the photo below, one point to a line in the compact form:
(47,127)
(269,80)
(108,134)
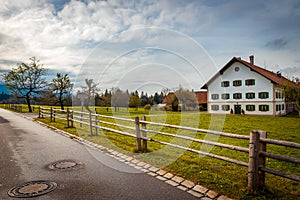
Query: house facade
(241,87)
(202,100)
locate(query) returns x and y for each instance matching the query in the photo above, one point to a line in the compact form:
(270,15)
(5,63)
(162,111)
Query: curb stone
(176,181)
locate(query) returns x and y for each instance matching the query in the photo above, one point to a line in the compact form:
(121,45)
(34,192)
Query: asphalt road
(27,148)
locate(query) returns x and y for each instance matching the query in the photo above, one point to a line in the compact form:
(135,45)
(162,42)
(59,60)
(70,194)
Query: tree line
(114,97)
(27,84)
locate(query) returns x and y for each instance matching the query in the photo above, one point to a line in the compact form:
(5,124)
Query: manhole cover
(66,165)
(32,189)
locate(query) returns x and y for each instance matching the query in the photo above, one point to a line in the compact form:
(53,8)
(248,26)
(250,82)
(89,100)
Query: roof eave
(220,72)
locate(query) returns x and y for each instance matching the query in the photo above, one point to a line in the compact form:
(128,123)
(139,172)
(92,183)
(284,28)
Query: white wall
(279,102)
(262,84)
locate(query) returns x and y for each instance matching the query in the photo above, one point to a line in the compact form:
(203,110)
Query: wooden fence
(256,151)
(18,107)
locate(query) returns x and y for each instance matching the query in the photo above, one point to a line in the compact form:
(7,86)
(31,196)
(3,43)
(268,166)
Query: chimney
(251,59)
(279,74)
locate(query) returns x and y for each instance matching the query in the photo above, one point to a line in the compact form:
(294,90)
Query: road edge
(188,186)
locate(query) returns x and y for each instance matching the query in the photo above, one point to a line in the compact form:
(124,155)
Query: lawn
(223,177)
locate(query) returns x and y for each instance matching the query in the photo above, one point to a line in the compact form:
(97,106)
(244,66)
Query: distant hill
(3,89)
(4,94)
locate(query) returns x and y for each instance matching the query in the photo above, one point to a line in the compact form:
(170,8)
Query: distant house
(242,87)
(169,98)
(201,97)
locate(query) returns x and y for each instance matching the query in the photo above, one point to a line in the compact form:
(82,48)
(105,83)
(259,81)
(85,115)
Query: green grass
(223,177)
(23,108)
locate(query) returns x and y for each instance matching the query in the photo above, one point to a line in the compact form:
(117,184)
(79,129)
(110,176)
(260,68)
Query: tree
(61,88)
(119,98)
(26,80)
(187,99)
(103,100)
(156,98)
(174,102)
(292,93)
(90,90)
(134,101)
(144,99)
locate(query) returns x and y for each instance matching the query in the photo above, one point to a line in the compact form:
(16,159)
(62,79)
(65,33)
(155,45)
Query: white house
(242,87)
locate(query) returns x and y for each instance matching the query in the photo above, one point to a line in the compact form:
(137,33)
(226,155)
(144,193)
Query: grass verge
(225,178)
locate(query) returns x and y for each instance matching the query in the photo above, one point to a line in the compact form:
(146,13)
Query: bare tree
(292,93)
(119,98)
(61,88)
(26,80)
(186,98)
(90,90)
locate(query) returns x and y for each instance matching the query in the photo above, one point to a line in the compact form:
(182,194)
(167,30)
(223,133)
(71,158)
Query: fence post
(51,114)
(54,113)
(68,123)
(96,122)
(91,123)
(253,173)
(81,115)
(72,122)
(144,134)
(39,111)
(262,159)
(138,134)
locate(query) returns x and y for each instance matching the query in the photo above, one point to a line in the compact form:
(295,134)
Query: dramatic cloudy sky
(149,44)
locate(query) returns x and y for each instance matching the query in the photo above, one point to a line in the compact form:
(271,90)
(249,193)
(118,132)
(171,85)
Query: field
(223,177)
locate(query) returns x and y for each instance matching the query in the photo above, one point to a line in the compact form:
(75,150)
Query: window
(278,107)
(263,108)
(225,84)
(279,95)
(263,95)
(225,96)
(215,107)
(250,82)
(250,95)
(225,107)
(250,107)
(214,96)
(237,83)
(237,95)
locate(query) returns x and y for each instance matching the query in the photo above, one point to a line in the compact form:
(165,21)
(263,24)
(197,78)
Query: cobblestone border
(199,191)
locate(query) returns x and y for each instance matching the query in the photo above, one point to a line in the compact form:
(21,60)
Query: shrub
(147,106)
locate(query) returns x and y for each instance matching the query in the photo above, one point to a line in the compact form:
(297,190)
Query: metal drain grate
(66,165)
(32,189)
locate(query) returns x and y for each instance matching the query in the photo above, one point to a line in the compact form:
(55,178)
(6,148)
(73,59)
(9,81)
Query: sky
(149,45)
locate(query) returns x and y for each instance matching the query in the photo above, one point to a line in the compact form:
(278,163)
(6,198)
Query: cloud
(63,33)
(276,44)
(291,72)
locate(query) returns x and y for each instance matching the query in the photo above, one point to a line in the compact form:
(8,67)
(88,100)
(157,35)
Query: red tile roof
(169,97)
(273,77)
(201,97)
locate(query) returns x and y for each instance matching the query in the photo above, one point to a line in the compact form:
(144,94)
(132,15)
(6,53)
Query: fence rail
(18,107)
(256,151)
